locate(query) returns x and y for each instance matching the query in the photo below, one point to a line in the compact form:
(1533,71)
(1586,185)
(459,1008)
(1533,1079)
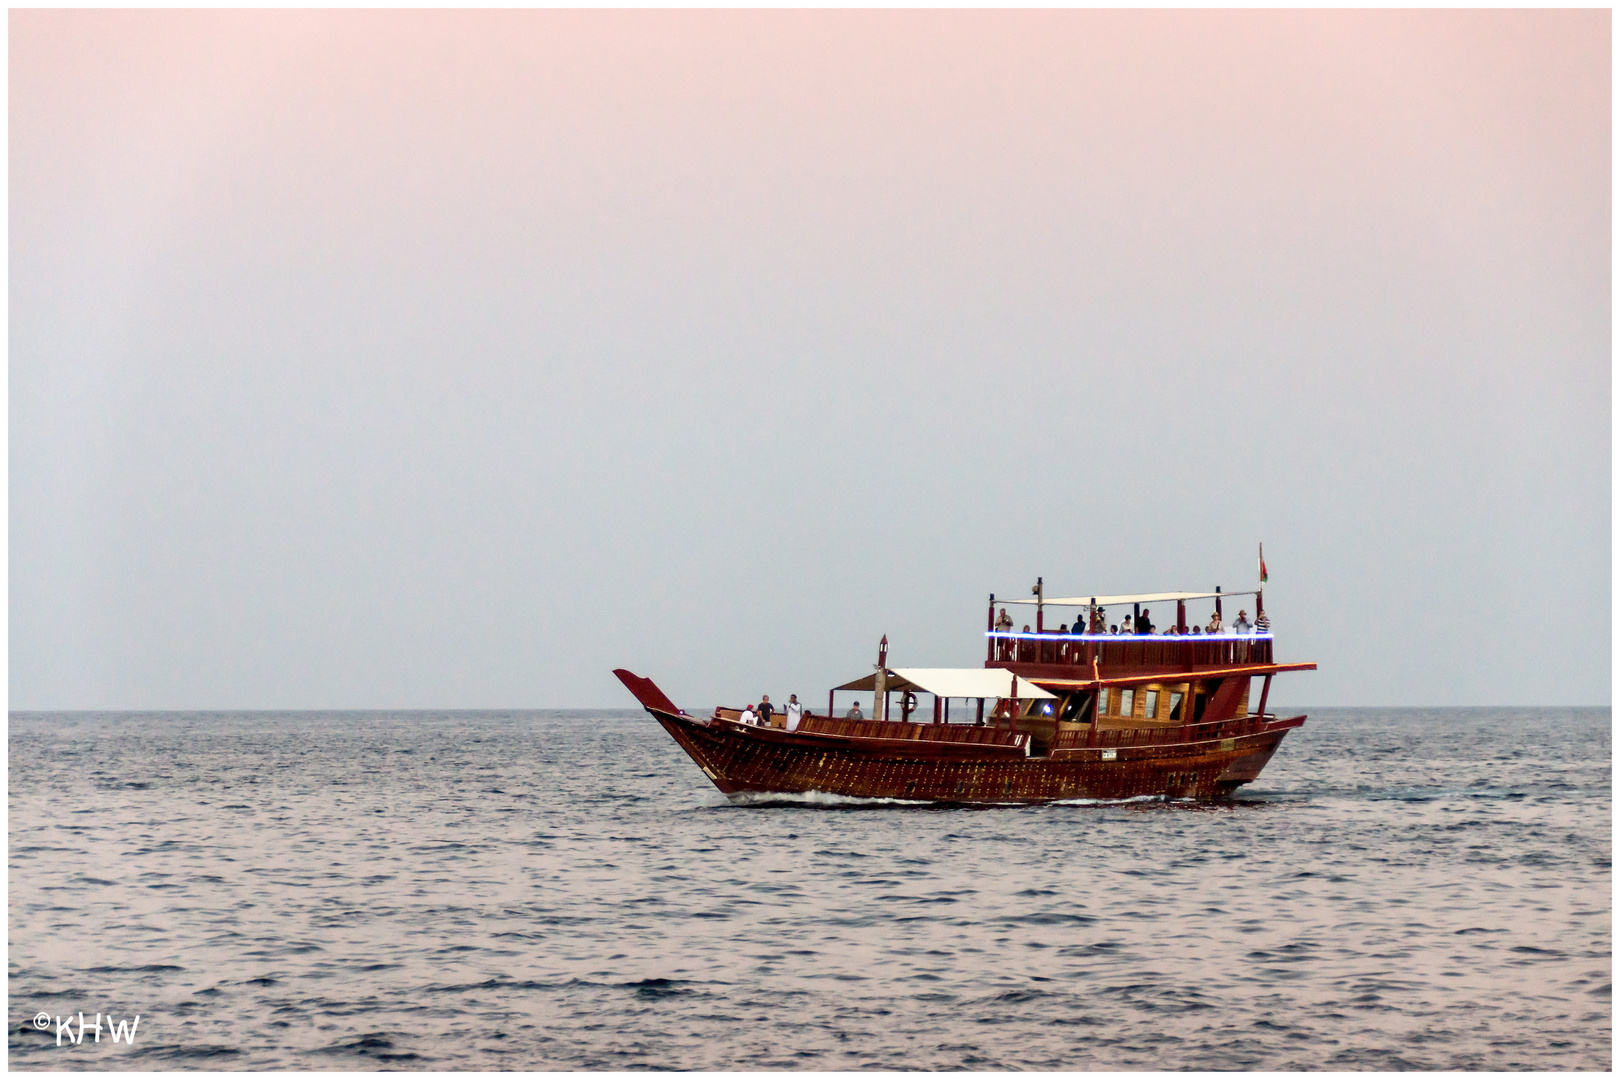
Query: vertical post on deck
(1040,596)
(1181,616)
(980,720)
(1217,601)
(990,628)
(936,708)
(1091,646)
(830,694)
(1265,690)
(880,696)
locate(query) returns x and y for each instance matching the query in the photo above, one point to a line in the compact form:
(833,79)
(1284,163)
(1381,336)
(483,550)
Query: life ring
(908,703)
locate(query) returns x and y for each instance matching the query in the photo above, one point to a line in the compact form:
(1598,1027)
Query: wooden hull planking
(741,759)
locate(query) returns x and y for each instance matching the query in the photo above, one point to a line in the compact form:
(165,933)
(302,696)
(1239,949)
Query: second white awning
(953,682)
(1116,601)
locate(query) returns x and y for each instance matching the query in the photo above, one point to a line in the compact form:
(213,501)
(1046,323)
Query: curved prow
(646,692)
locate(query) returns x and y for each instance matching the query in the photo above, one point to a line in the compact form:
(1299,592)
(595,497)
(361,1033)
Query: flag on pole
(1262,564)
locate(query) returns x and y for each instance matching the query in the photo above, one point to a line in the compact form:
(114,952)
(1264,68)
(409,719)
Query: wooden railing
(1147,650)
(1180,733)
(894,729)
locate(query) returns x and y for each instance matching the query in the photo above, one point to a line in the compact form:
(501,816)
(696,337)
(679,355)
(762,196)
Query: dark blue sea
(1401,889)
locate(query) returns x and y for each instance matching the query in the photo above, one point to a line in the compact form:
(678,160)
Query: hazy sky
(377,359)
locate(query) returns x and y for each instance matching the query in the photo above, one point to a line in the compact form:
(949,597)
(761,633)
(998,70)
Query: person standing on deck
(795,712)
(1262,625)
(1004,625)
(855,713)
(1214,626)
(1144,625)
(765,710)
(1240,625)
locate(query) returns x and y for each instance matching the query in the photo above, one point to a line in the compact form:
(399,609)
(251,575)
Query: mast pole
(880,694)
(1040,597)
(989,628)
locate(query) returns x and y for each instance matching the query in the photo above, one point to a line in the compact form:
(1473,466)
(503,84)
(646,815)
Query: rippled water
(1401,889)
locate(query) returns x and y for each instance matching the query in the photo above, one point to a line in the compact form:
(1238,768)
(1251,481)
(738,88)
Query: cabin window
(1175,705)
(1152,703)
(1126,699)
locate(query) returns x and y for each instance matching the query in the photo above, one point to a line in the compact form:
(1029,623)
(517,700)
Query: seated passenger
(1195,630)
(1240,625)
(855,713)
(1114,629)
(748,716)
(1125,625)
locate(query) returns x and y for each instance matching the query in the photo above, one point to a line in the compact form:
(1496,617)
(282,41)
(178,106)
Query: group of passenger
(1240,625)
(765,715)
(1144,625)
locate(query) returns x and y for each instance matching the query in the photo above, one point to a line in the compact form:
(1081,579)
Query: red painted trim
(646,692)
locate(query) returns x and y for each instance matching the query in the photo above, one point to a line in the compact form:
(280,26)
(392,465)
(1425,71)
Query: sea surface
(1401,889)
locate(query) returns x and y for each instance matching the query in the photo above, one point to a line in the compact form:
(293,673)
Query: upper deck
(1117,654)
(1185,646)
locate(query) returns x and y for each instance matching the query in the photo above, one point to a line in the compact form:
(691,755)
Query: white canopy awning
(1109,601)
(953,682)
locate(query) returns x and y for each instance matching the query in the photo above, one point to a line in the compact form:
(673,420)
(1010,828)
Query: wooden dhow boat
(1055,715)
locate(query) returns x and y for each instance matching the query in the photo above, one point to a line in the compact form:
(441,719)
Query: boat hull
(743,760)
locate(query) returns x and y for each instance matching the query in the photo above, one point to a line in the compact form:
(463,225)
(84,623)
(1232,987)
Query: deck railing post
(990,628)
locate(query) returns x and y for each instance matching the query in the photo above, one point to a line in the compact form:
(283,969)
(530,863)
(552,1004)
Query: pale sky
(452,359)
